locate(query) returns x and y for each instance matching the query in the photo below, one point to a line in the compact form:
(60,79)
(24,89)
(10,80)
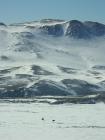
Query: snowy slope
(49,58)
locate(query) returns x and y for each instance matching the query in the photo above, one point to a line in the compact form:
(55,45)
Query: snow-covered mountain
(52,57)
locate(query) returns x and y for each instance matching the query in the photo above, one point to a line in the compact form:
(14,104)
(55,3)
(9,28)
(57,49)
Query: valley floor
(23,121)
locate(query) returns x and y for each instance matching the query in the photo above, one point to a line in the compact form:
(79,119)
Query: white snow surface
(72,122)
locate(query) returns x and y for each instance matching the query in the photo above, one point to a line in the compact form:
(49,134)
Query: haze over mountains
(52,57)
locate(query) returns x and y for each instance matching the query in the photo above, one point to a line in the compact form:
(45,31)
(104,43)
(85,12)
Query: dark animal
(42,119)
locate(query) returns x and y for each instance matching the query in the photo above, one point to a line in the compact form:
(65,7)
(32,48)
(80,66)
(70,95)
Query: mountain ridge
(73,28)
(52,58)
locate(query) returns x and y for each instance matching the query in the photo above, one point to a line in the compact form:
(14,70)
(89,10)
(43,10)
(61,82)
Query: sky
(15,11)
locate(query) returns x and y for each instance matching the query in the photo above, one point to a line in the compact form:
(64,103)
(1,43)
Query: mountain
(88,29)
(73,28)
(52,58)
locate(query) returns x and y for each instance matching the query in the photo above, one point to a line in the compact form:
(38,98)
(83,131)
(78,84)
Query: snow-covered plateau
(19,121)
(52,58)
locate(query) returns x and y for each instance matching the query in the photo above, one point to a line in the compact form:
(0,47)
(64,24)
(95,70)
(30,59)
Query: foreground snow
(72,122)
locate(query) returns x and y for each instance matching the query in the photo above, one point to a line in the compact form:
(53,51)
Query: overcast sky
(12,11)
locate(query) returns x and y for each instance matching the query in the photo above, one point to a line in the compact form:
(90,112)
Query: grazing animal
(42,119)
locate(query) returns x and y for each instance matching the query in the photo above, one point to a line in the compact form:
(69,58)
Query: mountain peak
(2,24)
